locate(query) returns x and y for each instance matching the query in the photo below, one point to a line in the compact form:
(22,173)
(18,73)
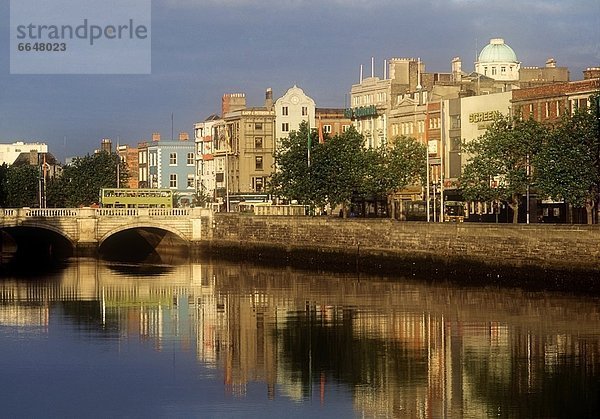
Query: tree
(82,180)
(565,166)
(3,185)
(22,186)
(339,169)
(389,170)
(407,163)
(291,177)
(499,166)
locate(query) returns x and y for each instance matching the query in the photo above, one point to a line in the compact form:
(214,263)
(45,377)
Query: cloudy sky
(202,49)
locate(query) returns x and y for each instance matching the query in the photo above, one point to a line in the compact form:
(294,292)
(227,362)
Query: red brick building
(550,102)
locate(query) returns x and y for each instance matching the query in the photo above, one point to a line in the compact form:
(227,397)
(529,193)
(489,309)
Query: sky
(202,49)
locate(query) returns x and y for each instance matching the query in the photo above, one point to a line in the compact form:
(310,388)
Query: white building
(498,61)
(290,110)
(204,133)
(10,152)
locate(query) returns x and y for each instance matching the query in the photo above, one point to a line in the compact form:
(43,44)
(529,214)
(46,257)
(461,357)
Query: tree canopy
(81,181)
(341,168)
(567,166)
(499,164)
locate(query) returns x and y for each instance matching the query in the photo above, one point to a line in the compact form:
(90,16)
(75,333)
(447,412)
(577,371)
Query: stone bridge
(86,230)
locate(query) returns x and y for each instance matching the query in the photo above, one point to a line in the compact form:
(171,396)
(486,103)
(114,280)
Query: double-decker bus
(136,198)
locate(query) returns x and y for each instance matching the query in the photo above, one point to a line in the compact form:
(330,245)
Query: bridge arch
(37,240)
(133,226)
(143,241)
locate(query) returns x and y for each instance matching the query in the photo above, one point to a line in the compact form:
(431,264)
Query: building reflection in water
(402,347)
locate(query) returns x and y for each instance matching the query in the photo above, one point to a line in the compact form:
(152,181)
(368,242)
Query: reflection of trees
(86,316)
(518,386)
(311,346)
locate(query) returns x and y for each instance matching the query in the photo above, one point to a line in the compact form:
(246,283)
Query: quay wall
(379,243)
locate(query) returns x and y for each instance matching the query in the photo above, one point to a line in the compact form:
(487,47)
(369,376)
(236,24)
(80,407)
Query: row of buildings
(234,151)
(230,156)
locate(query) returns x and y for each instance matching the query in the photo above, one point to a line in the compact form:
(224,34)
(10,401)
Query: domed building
(498,61)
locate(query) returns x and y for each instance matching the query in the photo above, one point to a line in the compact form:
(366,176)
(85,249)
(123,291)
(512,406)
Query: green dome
(497,52)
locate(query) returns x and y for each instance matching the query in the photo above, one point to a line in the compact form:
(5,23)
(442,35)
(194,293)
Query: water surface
(217,339)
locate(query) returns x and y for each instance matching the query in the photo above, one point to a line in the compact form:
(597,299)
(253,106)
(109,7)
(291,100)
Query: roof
(497,52)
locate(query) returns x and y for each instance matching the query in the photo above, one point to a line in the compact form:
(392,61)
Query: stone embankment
(535,253)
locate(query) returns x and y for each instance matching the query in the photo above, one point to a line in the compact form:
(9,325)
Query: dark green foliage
(499,166)
(341,168)
(22,186)
(567,167)
(82,180)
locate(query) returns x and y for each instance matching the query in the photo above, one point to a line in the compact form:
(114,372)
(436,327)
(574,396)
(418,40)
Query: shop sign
(360,112)
(487,116)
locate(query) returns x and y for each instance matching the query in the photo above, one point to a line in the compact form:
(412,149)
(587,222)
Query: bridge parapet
(146,212)
(87,227)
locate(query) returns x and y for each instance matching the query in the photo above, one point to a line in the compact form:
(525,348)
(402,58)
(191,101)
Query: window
(503,70)
(455,121)
(327,129)
(173,180)
(493,71)
(345,128)
(304,110)
(557,108)
(258,126)
(258,163)
(547,109)
(173,159)
(284,111)
(258,184)
(258,142)
(455,144)
(190,159)
(190,180)
(285,127)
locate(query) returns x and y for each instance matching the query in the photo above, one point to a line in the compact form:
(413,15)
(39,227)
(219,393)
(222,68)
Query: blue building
(171,164)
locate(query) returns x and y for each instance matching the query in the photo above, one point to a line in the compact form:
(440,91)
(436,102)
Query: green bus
(136,198)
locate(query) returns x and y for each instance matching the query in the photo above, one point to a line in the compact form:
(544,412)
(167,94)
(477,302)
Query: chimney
(591,73)
(269,99)
(184,136)
(232,102)
(155,136)
(456,69)
(34,159)
(106,145)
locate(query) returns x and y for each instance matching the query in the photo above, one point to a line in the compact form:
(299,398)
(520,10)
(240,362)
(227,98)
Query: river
(223,339)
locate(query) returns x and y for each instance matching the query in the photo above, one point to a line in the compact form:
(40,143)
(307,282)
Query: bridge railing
(51,212)
(143,212)
(87,212)
(40,212)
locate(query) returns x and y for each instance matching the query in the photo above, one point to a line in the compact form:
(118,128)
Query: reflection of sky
(65,375)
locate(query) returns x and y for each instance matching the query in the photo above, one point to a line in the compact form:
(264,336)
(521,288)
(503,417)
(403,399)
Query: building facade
(171,164)
(204,138)
(548,103)
(290,110)
(10,152)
